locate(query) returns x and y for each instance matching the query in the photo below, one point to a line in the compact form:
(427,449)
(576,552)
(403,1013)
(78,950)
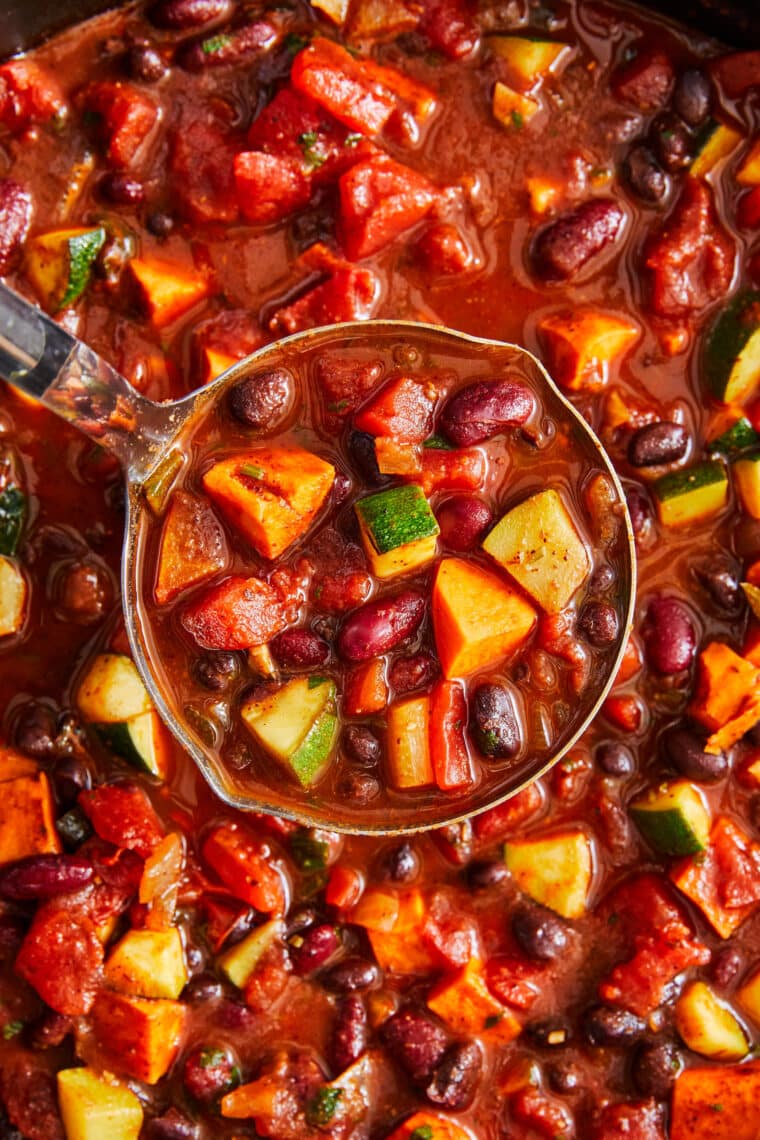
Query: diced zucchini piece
(748,173)
(715,142)
(691,494)
(142,741)
(707,1026)
(59,264)
(747,478)
(13,597)
(262,663)
(240,961)
(740,436)
(528,61)
(732,351)
(408,743)
(555,870)
(148,963)
(512,109)
(478,619)
(93,1108)
(538,543)
(297,725)
(13,508)
(112,691)
(673,818)
(398,530)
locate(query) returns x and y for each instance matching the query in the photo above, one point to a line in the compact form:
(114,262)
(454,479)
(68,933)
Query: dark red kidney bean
(71,776)
(603,1025)
(85,592)
(463,520)
(671,141)
(354,975)
(655,1068)
(299,649)
(645,176)
(684,749)
(313,948)
(409,673)
(301,919)
(49,1030)
(564,248)
(203,988)
(12,931)
(725,966)
(691,97)
(146,64)
(670,640)
(361,744)
(722,584)
(551,1033)
(620,126)
(159,223)
(400,864)
(121,190)
(415,1042)
(209,1072)
(35,731)
(645,81)
(653,444)
(614,758)
(495,723)
(482,410)
(456,1078)
(182,15)
(15,219)
(361,446)
(484,873)
(598,624)
(263,401)
(44,877)
(342,487)
(539,933)
(173,1125)
(220,51)
(236,1016)
(348,1039)
(216,671)
(381,625)
(639,509)
(358,788)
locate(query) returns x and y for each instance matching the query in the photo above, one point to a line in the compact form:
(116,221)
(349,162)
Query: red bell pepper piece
(343,86)
(450,26)
(380,199)
(269,187)
(452,763)
(123,815)
(246,868)
(237,614)
(62,958)
(499,821)
(123,116)
(401,410)
(640,984)
(452,470)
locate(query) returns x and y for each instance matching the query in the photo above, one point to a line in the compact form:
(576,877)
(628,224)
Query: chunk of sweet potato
(193,546)
(139,1037)
(27,820)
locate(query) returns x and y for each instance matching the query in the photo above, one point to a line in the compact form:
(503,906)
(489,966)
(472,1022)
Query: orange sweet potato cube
(193,546)
(27,819)
(717,1103)
(166,291)
(478,618)
(581,345)
(431,1126)
(699,878)
(465,1003)
(139,1037)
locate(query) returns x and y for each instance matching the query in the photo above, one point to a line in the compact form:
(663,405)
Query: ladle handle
(45,362)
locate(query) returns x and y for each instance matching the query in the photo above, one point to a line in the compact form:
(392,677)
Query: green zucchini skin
(397,517)
(736,330)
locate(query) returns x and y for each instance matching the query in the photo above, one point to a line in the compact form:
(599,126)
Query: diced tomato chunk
(342,591)
(245,866)
(347,295)
(499,821)
(449,933)
(379,200)
(28,95)
(542,1113)
(443,250)
(269,187)
(237,614)
(640,984)
(202,172)
(123,815)
(624,711)
(738,862)
(62,958)
(401,410)
(644,81)
(637,1121)
(514,981)
(335,79)
(344,383)
(450,26)
(451,470)
(737,72)
(123,117)
(452,763)
(748,209)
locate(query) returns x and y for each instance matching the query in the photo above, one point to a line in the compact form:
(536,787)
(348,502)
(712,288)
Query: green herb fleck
(215,44)
(492,1021)
(437,443)
(12,1029)
(251,470)
(716,1107)
(422,1132)
(12,518)
(294,43)
(309,852)
(322,1107)
(518,120)
(339,407)
(613,919)
(315,681)
(308,143)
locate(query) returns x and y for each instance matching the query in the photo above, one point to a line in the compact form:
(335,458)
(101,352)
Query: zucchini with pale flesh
(239,962)
(673,818)
(715,142)
(527,61)
(747,479)
(555,870)
(13,597)
(398,530)
(112,691)
(732,351)
(149,964)
(707,1026)
(143,741)
(93,1108)
(59,264)
(512,109)
(538,543)
(409,761)
(739,437)
(691,494)
(13,509)
(297,724)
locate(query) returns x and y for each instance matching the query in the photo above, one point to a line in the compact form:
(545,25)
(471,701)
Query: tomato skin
(123,815)
(401,410)
(379,200)
(62,959)
(125,116)
(244,866)
(450,26)
(28,95)
(331,76)
(269,187)
(448,716)
(236,614)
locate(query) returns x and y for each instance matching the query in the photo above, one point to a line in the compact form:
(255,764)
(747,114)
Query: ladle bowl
(45,362)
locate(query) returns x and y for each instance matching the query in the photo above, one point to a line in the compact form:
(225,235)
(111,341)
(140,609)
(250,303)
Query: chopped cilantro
(437,443)
(308,143)
(492,1021)
(322,1107)
(339,407)
(716,1107)
(215,44)
(422,1132)
(315,681)
(12,1029)
(309,852)
(251,470)
(517,120)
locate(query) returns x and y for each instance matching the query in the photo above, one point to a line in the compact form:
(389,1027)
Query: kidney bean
(353,975)
(603,1025)
(208,1073)
(540,933)
(380,626)
(264,400)
(12,930)
(409,673)
(49,1030)
(146,64)
(219,51)
(401,864)
(358,788)
(15,219)
(361,744)
(235,1016)
(85,592)
(216,671)
(639,510)
(482,410)
(348,1039)
(671,141)
(313,948)
(646,80)
(620,126)
(644,175)
(415,1042)
(598,623)
(182,15)
(121,190)
(203,988)
(614,758)
(551,1033)
(159,223)
(484,873)
(299,649)
(71,776)
(44,877)
(722,584)
(496,726)
(173,1125)
(670,640)
(564,248)
(725,966)
(463,520)
(456,1078)
(653,444)
(684,749)
(361,446)
(35,731)
(691,97)
(655,1068)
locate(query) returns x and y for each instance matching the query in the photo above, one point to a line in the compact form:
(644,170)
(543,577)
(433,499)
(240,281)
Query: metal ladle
(45,362)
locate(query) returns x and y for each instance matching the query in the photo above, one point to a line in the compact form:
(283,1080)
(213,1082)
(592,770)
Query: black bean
(456,1077)
(361,744)
(725,966)
(358,788)
(74,828)
(120,189)
(645,176)
(691,97)
(415,1042)
(173,1125)
(182,15)
(551,1033)
(496,726)
(722,584)
(146,64)
(400,864)
(685,749)
(540,933)
(352,975)
(485,873)
(598,624)
(603,1025)
(361,446)
(264,400)
(203,988)
(159,223)
(301,919)
(664,442)
(70,777)
(671,142)
(614,758)
(670,640)
(35,731)
(655,1068)
(348,1039)
(216,671)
